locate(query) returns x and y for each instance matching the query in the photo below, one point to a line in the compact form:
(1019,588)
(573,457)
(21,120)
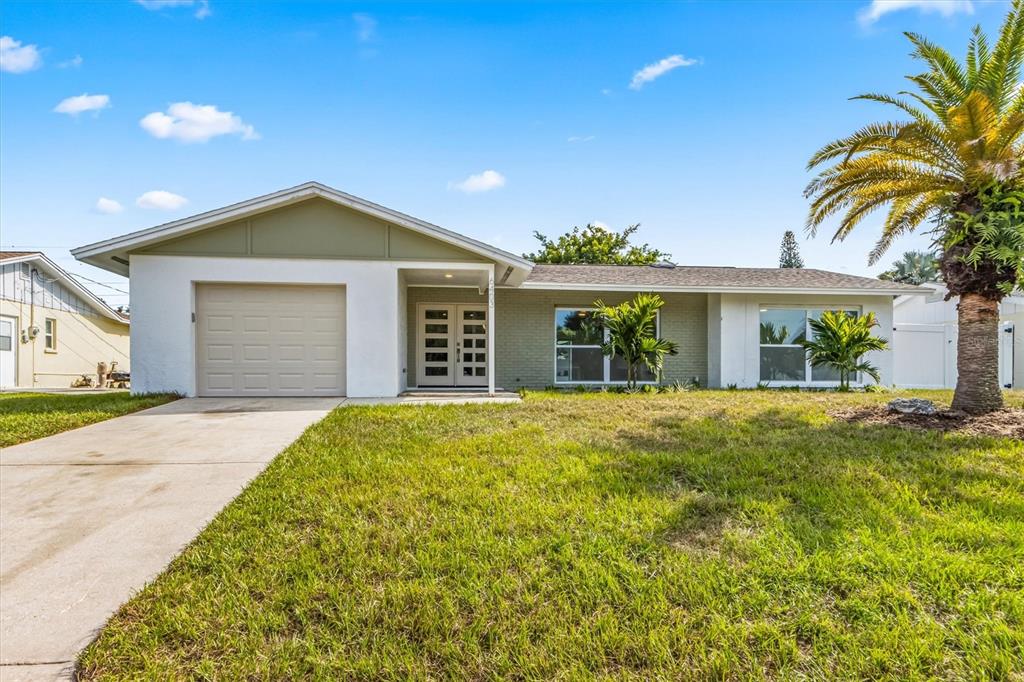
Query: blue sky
(215,102)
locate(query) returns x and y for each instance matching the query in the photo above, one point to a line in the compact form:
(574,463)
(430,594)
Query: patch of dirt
(1006,423)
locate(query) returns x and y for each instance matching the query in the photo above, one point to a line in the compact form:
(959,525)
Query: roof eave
(97,303)
(843,291)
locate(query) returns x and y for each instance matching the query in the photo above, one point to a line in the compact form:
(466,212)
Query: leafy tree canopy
(595,245)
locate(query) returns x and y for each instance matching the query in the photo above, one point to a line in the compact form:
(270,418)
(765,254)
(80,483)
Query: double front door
(451,344)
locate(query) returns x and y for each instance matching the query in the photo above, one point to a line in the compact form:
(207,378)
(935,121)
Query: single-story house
(925,335)
(312,291)
(52,329)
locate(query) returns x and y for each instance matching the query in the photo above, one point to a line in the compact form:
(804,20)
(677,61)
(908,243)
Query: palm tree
(915,267)
(957,164)
(841,340)
(633,335)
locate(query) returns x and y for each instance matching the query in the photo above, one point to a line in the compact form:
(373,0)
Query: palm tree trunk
(977,363)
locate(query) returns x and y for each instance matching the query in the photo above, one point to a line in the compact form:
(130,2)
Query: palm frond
(947,74)
(1001,73)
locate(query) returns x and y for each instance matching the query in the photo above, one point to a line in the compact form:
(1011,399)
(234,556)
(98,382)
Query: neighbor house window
(50,334)
(578,356)
(782,357)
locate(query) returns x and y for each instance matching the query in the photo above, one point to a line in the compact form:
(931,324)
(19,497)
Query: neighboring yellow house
(52,329)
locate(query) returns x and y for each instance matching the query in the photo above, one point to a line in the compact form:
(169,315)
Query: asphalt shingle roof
(706,277)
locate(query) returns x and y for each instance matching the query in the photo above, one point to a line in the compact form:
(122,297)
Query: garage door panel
(256,382)
(255,353)
(270,339)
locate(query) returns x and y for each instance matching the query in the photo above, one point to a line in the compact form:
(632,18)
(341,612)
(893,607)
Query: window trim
(856,380)
(25,270)
(606,359)
(50,334)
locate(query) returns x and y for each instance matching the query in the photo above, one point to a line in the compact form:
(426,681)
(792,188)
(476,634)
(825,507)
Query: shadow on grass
(821,480)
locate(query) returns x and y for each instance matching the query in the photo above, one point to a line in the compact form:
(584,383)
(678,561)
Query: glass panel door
(471,346)
(435,345)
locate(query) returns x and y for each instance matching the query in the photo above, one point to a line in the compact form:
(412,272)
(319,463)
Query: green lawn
(706,535)
(27,416)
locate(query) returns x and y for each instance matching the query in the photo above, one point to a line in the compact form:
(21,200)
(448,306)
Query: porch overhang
(459,275)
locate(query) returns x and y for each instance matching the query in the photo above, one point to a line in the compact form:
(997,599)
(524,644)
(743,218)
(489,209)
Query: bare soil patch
(1006,423)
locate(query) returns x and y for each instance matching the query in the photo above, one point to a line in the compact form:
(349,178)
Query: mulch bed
(1007,423)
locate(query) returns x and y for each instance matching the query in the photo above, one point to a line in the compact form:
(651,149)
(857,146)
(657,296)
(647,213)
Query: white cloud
(879,8)
(606,91)
(202,11)
(598,223)
(72,63)
(162,200)
(580,138)
(18,58)
(658,69)
(189,122)
(155,5)
(366,27)
(479,182)
(79,103)
(109,206)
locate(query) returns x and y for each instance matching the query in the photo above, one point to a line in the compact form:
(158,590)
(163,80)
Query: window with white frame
(578,357)
(782,357)
(50,335)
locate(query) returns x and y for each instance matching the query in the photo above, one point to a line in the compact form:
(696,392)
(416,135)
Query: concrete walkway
(88,517)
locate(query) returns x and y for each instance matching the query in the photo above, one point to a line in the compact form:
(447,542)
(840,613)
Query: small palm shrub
(840,340)
(632,334)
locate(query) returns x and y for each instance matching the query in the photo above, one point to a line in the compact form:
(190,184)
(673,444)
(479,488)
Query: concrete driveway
(88,517)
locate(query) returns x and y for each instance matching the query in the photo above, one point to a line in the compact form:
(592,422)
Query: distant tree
(632,335)
(915,267)
(595,245)
(789,256)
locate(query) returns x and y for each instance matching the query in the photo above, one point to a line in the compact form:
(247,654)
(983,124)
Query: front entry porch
(450,336)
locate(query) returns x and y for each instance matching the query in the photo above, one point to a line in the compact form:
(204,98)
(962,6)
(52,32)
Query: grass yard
(27,416)
(705,535)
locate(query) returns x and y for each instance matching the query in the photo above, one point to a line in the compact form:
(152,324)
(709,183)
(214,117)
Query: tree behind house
(595,245)
(789,256)
(915,267)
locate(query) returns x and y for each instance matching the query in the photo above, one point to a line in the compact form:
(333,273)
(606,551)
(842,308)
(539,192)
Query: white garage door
(270,339)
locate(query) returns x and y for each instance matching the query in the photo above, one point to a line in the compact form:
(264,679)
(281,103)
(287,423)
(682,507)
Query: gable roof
(65,278)
(668,277)
(112,254)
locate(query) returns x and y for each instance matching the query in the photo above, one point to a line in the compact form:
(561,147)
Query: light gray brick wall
(525,330)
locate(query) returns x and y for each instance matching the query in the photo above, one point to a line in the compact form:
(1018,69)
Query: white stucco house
(925,338)
(312,291)
(52,329)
